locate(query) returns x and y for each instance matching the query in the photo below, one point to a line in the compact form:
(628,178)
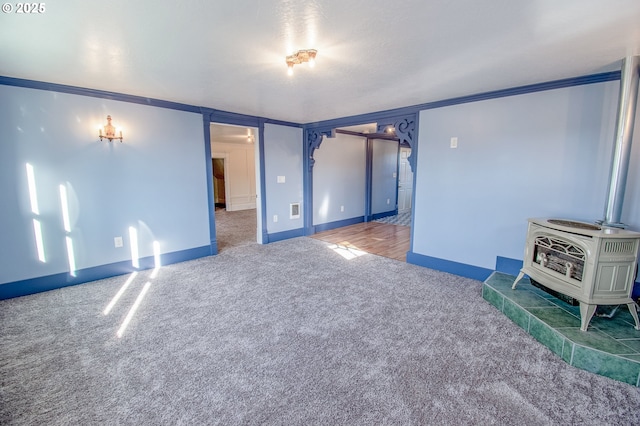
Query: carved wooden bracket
(405,129)
(314,139)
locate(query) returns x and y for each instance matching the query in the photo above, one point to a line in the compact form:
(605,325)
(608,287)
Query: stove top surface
(584,228)
(574,224)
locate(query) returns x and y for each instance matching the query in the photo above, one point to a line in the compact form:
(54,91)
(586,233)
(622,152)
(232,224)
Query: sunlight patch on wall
(323,209)
(37,230)
(71,256)
(64,205)
(33,196)
(66,223)
(33,200)
(133,241)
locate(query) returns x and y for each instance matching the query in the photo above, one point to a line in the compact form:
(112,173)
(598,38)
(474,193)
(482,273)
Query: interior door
(405,181)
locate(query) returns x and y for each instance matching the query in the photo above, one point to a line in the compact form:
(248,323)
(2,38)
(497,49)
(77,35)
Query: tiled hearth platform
(611,347)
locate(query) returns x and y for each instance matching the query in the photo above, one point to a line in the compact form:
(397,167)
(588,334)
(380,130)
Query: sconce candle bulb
(110,131)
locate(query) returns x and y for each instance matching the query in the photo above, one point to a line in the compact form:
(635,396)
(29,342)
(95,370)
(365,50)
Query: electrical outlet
(454,142)
(341,208)
(388,201)
(281,179)
(117,241)
(275,217)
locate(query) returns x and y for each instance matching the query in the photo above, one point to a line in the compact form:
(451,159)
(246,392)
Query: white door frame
(410,181)
(259,194)
(225,157)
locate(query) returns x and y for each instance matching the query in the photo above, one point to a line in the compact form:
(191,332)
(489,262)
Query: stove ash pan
(595,265)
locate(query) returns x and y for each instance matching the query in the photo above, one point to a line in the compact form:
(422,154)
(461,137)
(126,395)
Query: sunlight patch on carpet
(133,309)
(119,293)
(347,250)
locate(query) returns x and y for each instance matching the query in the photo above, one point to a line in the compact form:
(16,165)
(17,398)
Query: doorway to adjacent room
(235,184)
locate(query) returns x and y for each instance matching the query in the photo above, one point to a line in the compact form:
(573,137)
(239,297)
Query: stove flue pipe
(628,98)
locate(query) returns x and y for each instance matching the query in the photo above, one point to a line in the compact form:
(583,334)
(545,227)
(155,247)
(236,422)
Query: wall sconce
(110,131)
(301,56)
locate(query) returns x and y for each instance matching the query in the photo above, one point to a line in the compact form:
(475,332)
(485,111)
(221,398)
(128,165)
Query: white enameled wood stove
(593,264)
(596,265)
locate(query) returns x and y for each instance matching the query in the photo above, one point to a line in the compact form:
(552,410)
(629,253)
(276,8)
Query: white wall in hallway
(240,172)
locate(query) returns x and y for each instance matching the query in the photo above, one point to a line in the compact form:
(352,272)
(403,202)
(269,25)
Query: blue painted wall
(111,186)
(546,153)
(339,178)
(283,157)
(384,176)
(631,206)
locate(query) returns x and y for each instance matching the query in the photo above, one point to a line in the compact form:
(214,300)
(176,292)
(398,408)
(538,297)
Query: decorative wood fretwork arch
(405,130)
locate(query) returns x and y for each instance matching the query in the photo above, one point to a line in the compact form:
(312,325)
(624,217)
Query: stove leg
(586,313)
(634,314)
(518,278)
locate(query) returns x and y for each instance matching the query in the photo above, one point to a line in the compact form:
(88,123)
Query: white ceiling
(373,55)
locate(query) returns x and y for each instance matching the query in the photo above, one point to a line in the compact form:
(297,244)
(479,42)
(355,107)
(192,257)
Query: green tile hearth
(555,317)
(610,348)
(633,344)
(597,340)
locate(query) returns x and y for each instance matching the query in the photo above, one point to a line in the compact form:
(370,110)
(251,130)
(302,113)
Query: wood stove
(596,265)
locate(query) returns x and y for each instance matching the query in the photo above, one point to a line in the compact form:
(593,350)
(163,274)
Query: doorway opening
(384,226)
(219,182)
(235,184)
(405,189)
(390,181)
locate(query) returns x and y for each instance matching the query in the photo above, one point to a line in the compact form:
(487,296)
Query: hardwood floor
(372,237)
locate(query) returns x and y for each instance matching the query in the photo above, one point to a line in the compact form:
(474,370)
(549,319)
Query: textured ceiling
(373,55)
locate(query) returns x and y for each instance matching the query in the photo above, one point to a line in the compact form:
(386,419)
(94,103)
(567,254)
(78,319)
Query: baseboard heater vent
(294,211)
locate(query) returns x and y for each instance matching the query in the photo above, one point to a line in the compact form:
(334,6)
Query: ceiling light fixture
(301,56)
(110,131)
